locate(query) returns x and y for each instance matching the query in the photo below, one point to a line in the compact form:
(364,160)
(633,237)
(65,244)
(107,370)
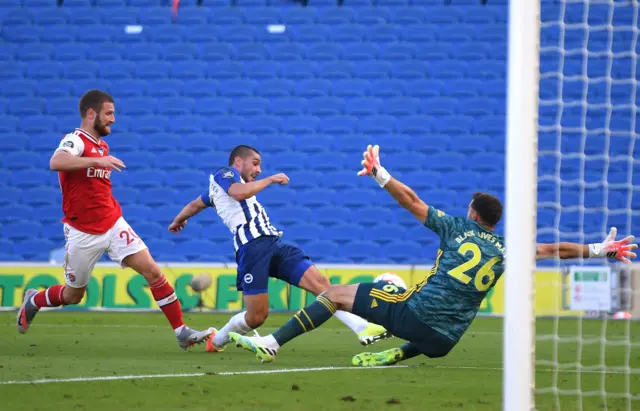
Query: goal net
(585,358)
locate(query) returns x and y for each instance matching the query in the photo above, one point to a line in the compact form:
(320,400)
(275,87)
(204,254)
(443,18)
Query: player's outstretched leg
(387,357)
(166,298)
(368,333)
(305,320)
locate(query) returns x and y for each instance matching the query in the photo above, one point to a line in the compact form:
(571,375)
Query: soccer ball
(391,278)
(200,283)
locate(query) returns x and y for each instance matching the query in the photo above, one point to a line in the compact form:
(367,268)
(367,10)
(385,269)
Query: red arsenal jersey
(87,200)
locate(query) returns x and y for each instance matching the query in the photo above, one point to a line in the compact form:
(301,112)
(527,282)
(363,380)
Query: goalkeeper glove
(619,250)
(371,166)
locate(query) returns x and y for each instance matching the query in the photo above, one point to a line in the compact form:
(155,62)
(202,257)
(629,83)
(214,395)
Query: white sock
(236,324)
(179,330)
(270,342)
(352,321)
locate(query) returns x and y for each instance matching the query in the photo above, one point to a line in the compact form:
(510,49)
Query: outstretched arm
(241,192)
(407,198)
(186,213)
(402,193)
(562,250)
(609,248)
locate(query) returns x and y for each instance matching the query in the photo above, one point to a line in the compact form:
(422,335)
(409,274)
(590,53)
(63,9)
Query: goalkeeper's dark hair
(488,207)
(94,99)
(241,151)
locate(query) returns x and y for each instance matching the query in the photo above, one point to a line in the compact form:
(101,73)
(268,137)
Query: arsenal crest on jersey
(101,151)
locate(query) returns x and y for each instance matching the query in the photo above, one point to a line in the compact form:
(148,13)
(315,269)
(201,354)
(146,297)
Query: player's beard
(100,128)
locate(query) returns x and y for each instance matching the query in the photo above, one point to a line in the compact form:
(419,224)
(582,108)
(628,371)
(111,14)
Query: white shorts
(84,250)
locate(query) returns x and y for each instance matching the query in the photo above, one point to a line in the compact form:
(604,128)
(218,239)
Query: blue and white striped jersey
(246,219)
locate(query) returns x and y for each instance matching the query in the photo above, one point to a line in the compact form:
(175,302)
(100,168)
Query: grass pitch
(135,363)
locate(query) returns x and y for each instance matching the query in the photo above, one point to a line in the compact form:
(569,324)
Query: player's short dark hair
(94,99)
(488,207)
(241,151)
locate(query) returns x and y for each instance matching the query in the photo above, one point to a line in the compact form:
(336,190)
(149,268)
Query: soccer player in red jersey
(93,222)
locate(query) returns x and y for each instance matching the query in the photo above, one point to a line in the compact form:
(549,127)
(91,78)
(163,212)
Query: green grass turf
(82,344)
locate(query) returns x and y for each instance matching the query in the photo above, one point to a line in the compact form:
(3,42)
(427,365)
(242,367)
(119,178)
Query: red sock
(51,297)
(166,298)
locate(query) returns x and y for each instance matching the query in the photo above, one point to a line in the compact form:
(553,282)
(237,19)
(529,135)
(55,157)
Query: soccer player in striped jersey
(259,252)
(435,314)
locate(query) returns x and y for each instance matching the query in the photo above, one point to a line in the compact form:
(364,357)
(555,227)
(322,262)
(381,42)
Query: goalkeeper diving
(433,315)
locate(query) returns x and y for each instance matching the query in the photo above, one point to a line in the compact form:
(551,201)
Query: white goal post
(521,186)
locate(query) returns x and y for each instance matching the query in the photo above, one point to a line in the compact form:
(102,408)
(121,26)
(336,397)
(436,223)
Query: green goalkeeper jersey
(469,263)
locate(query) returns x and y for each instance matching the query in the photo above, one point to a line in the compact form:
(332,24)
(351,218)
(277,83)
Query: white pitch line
(200,374)
(292,370)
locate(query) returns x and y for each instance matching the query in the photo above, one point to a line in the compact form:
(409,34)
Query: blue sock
(307,319)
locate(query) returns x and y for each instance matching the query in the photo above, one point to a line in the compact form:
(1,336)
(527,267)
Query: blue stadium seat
(373,215)
(360,251)
(313,88)
(37,250)
(335,16)
(250,106)
(209,106)
(277,143)
(304,234)
(341,180)
(332,70)
(289,215)
(357,198)
(299,16)
(345,232)
(47,16)
(41,196)
(351,144)
(33,178)
(24,230)
(237,88)
(278,197)
(194,16)
(8,52)
(54,233)
(385,233)
(388,88)
(401,106)
(351,88)
(403,251)
(176,107)
(314,143)
(263,125)
(35,52)
(322,251)
(326,106)
(27,107)
(23,34)
(300,125)
(289,161)
(9,140)
(377,125)
(316,198)
(332,215)
(262,70)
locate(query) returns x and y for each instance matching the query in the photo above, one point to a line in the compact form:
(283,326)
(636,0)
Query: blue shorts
(267,257)
(386,305)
